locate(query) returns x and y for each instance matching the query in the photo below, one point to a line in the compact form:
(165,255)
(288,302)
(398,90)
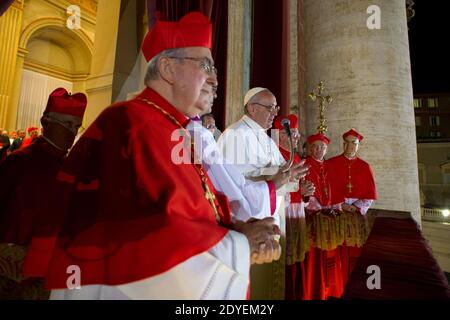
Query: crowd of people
(152,193)
(16,139)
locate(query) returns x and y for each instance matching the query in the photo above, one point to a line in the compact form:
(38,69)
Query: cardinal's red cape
(123,210)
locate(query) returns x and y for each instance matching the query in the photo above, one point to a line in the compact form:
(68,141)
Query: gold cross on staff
(322,128)
(211,197)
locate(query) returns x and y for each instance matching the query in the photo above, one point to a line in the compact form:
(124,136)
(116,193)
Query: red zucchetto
(63,102)
(318,137)
(293,119)
(193,30)
(352,132)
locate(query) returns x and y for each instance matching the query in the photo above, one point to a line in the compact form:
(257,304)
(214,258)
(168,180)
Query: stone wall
(368,73)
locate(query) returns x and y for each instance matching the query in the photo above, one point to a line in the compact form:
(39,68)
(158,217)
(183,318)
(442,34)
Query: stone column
(11,116)
(10,25)
(99,84)
(238,53)
(299,69)
(286,59)
(296,76)
(368,73)
(127,70)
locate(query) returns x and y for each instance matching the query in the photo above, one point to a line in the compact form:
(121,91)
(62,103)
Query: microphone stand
(285,123)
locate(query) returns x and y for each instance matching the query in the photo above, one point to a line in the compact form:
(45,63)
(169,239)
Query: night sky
(429,39)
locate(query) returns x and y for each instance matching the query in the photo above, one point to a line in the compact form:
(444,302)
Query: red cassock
(123,210)
(26,142)
(294,272)
(322,267)
(27,177)
(351,179)
(295,196)
(318,175)
(318,276)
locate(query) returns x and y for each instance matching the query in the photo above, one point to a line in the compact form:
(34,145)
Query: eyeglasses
(211,126)
(205,63)
(319,146)
(271,109)
(68,125)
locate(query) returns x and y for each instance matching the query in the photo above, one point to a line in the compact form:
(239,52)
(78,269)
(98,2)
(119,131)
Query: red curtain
(217,12)
(219,18)
(267,40)
(270,66)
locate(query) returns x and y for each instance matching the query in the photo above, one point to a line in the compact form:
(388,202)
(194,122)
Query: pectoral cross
(322,128)
(211,197)
(325,191)
(349,187)
(323,182)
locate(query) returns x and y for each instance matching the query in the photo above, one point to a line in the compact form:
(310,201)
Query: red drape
(407,267)
(266,60)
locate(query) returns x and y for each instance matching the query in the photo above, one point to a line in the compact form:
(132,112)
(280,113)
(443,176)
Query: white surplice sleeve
(222,273)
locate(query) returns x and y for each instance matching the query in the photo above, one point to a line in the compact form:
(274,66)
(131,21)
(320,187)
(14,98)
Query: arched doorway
(55,57)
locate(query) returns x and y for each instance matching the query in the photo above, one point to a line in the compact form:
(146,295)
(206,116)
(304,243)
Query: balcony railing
(434,215)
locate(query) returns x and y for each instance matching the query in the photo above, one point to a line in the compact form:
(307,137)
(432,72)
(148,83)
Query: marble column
(99,85)
(239,54)
(368,73)
(11,117)
(10,26)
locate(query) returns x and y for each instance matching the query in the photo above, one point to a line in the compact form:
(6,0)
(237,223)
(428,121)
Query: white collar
(351,158)
(252,123)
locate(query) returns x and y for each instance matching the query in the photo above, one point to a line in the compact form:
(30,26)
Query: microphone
(286,123)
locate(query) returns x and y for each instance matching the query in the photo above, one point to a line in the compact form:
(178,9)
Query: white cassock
(224,275)
(246,145)
(248,199)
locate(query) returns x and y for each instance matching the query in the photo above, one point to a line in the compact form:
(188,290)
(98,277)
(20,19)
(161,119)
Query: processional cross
(322,128)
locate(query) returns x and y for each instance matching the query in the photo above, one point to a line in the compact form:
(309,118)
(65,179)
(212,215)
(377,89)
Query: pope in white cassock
(246,145)
(248,198)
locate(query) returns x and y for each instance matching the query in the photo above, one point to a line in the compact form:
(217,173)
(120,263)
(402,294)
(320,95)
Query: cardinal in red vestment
(33,133)
(297,242)
(351,177)
(322,263)
(134,213)
(28,174)
(353,184)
